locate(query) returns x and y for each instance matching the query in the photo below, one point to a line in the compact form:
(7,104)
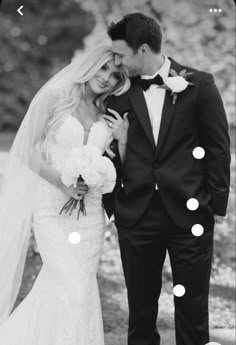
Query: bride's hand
(118,125)
(75,192)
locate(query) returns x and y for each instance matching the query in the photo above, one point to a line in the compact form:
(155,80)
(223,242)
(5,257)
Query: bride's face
(106,79)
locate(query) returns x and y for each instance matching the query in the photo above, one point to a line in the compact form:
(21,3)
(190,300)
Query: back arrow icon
(19,10)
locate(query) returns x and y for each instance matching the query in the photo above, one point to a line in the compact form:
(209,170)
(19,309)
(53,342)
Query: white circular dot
(179,290)
(210,10)
(192,204)
(198,152)
(74,238)
(220,10)
(215,10)
(197,230)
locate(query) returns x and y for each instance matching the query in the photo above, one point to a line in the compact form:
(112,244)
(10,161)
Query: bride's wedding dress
(63,307)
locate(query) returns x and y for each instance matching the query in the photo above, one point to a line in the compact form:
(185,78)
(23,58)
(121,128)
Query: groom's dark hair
(137,29)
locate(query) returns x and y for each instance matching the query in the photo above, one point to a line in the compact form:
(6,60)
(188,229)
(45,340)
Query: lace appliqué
(69,332)
(76,299)
(69,135)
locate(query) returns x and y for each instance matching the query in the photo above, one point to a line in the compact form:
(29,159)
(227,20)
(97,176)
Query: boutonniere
(177,82)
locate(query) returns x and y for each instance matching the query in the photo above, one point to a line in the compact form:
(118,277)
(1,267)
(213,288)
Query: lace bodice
(58,143)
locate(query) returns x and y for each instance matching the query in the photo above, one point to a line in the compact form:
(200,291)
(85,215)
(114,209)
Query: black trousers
(143,251)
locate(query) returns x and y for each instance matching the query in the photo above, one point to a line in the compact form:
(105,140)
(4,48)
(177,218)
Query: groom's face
(126,57)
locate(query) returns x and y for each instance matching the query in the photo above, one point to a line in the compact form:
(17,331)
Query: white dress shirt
(154,97)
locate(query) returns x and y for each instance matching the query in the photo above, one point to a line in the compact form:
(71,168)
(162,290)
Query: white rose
(176,84)
(109,170)
(108,187)
(91,178)
(98,164)
(68,180)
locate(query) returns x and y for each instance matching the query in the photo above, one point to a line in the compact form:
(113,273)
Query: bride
(63,307)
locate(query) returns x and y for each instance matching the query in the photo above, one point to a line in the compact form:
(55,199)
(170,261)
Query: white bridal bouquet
(87,164)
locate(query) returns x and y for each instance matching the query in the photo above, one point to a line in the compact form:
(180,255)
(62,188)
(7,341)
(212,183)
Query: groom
(174,182)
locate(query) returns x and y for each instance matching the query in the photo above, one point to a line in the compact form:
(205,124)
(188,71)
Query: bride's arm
(46,171)
(40,114)
(51,175)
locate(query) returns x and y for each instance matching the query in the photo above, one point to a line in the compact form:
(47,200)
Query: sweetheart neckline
(83,129)
(77,120)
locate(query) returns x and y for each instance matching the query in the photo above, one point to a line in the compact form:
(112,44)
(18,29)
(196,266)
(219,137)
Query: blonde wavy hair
(74,89)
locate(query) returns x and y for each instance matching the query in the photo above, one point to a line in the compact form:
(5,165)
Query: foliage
(34,47)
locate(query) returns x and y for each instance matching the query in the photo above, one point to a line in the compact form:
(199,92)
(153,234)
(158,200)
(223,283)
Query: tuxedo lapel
(167,112)
(139,104)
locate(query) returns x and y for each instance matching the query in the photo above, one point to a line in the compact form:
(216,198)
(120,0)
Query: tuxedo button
(192,204)
(197,230)
(198,152)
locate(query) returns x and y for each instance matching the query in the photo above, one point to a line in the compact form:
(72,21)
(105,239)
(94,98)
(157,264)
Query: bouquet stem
(71,205)
(81,208)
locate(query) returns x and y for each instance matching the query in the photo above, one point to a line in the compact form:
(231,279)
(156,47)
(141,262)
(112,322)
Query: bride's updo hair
(74,90)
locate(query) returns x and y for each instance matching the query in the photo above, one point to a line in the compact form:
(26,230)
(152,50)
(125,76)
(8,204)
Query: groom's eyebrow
(120,55)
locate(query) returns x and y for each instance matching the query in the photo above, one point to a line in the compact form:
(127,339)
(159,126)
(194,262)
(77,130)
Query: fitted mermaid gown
(63,307)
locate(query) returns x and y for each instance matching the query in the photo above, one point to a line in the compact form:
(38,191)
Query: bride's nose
(105,78)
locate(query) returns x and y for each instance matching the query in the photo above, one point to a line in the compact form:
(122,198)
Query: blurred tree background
(50,33)
(35,46)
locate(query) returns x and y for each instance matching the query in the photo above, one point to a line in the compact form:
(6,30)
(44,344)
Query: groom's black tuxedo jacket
(196,119)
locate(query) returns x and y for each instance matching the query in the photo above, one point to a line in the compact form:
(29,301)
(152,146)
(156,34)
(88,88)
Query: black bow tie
(146,83)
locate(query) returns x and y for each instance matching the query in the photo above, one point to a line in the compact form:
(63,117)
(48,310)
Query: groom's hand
(118,125)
